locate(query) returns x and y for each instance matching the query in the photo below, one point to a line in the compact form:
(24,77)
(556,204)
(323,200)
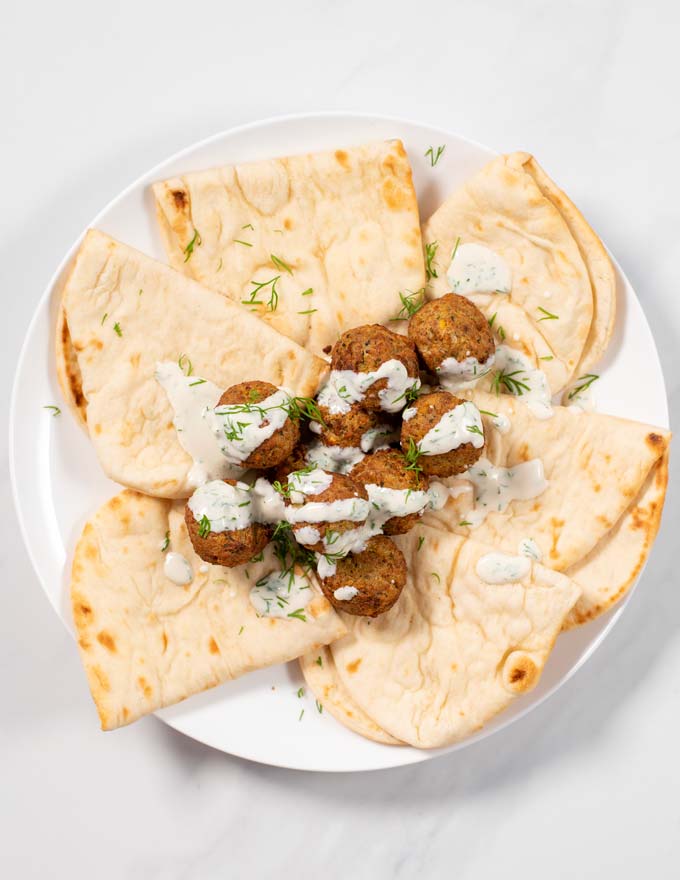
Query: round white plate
(58,483)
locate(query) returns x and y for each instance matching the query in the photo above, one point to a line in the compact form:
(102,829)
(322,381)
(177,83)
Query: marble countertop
(586,785)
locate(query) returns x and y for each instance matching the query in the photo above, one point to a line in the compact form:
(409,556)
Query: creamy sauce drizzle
(496,487)
(241,428)
(499,568)
(345,387)
(281,594)
(537,396)
(477,269)
(460,375)
(458,426)
(191,399)
(228,508)
(338,459)
(345,594)
(501,423)
(177,569)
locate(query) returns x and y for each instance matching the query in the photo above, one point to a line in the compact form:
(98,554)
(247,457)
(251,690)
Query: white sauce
(268,505)
(459,375)
(177,569)
(477,269)
(352,509)
(376,437)
(191,399)
(313,483)
(308,536)
(499,568)
(280,594)
(537,395)
(496,487)
(409,413)
(529,548)
(325,567)
(338,459)
(345,387)
(344,594)
(501,423)
(458,426)
(228,508)
(241,428)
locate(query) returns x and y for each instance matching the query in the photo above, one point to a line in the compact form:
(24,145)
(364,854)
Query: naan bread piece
(68,371)
(146,642)
(595,466)
(343,225)
(610,569)
(125,313)
(454,651)
(596,258)
(503,208)
(322,679)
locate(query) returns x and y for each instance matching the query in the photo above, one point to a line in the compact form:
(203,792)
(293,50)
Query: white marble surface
(93,94)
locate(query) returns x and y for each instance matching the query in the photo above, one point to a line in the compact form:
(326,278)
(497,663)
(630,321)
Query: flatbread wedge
(339,231)
(322,678)
(146,642)
(503,208)
(454,651)
(125,313)
(595,466)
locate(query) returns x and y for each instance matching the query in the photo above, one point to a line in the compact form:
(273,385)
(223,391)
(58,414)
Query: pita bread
(503,208)
(594,464)
(596,258)
(146,642)
(125,313)
(454,651)
(324,682)
(610,569)
(344,223)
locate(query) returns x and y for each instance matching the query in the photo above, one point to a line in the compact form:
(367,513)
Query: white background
(92,94)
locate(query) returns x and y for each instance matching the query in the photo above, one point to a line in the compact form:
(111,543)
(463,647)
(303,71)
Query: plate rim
(415,756)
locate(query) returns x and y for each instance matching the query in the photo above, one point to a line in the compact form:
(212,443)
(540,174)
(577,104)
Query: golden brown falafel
(429,410)
(389,468)
(451,327)
(280,445)
(346,429)
(341,487)
(378,574)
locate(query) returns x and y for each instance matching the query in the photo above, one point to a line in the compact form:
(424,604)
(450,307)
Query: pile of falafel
(450,327)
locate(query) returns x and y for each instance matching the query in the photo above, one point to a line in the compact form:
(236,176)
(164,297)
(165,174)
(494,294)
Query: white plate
(58,483)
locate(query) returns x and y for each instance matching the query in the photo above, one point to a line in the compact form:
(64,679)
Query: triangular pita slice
(322,678)
(126,312)
(595,466)
(503,208)
(340,229)
(454,651)
(606,574)
(596,258)
(146,642)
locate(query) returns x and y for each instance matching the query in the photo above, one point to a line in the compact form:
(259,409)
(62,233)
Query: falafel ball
(389,468)
(367,583)
(311,534)
(279,446)
(426,413)
(451,327)
(365,349)
(346,429)
(229,548)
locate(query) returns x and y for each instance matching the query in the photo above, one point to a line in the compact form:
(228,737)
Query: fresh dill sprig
(166,542)
(410,304)
(434,154)
(240,241)
(586,381)
(547,316)
(280,264)
(411,394)
(435,575)
(308,312)
(204,527)
(412,456)
(319,707)
(473,429)
(248,226)
(485,412)
(298,614)
(273,301)
(308,292)
(510,382)
(117,330)
(196,241)
(56,411)
(455,249)
(319,661)
(197,382)
(181,361)
(104,317)
(430,252)
(421,541)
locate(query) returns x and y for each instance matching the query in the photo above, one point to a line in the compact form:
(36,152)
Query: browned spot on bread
(556,524)
(394,195)
(214,648)
(90,551)
(655,441)
(107,640)
(287,223)
(327,349)
(97,428)
(342,158)
(454,666)
(126,713)
(125,521)
(354,665)
(605,521)
(134,359)
(82,612)
(98,344)
(145,687)
(115,502)
(180,199)
(597,487)
(520,672)
(84,644)
(164,639)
